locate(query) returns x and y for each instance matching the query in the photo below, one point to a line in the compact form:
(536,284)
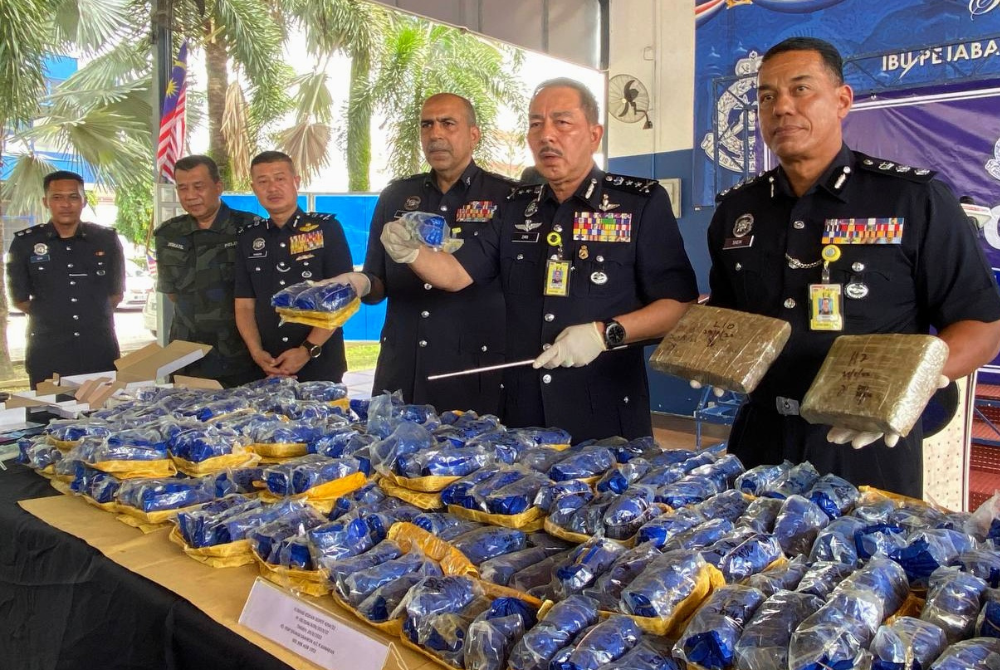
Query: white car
(138,286)
(149,311)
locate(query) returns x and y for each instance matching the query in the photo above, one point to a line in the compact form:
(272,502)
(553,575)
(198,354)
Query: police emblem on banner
(863,231)
(299,244)
(602,226)
(476,211)
(743,225)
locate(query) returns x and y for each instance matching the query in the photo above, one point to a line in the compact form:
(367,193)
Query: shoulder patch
(886,167)
(628,184)
(320,216)
(530,191)
(27,231)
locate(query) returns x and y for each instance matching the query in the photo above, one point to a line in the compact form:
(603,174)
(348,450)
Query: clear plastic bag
(907,644)
(709,640)
(645,655)
(582,464)
(165,493)
(551,634)
(823,577)
(764,643)
(607,641)
(836,542)
(837,635)
(927,550)
(881,577)
(661,530)
(494,632)
(730,504)
(761,514)
(953,602)
(626,514)
(834,495)
(664,585)
(585,564)
(361,584)
(549,493)
(749,557)
(785,576)
(798,524)
(980,653)
(607,589)
(797,480)
(620,477)
(982,563)
(482,544)
(432,230)
(757,480)
(501,569)
(198,526)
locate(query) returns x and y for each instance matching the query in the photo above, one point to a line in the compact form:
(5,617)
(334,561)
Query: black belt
(786,406)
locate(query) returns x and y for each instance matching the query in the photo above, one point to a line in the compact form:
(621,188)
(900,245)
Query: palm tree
(420,59)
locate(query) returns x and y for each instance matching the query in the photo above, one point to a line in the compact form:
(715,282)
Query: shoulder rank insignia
(630,184)
(530,191)
(880,166)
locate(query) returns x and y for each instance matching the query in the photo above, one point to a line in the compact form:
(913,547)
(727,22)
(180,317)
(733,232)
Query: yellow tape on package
(162,467)
(309,582)
(431,484)
(708,580)
(322,497)
(529,520)
(269,452)
(241,457)
(229,555)
(328,320)
(392,627)
(425,501)
(451,560)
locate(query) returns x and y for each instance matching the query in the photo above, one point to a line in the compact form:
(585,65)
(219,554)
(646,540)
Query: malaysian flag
(172,126)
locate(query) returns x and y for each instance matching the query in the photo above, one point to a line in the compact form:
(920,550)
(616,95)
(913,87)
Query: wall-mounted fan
(628,100)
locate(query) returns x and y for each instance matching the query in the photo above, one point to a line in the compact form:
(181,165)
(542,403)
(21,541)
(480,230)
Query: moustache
(438,146)
(547,150)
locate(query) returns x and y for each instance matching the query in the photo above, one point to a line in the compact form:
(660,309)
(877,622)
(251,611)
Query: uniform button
(476,233)
(520,257)
(257,269)
(41,267)
(68,248)
(76,317)
(625,400)
(282,245)
(306,263)
(284,339)
(739,266)
(424,314)
(799,225)
(72,299)
(282,282)
(485,348)
(76,334)
(72,283)
(599,259)
(789,303)
(444,208)
(554,257)
(69,265)
(550,317)
(545,347)
(546,379)
(427,287)
(557,228)
(422,343)
(858,267)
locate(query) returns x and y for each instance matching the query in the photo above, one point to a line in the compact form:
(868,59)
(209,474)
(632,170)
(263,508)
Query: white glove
(715,389)
(575,347)
(359,281)
(401,246)
(859,439)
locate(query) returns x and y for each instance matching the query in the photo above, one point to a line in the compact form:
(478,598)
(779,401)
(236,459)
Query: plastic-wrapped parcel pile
(511,548)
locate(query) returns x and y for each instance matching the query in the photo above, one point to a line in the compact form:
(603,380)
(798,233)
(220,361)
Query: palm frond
(91,25)
(307,144)
(24,189)
(24,41)
(237,133)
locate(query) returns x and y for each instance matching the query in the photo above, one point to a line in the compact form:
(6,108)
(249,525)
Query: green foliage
(135,211)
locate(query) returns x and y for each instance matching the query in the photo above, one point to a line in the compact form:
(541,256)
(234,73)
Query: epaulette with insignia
(880,166)
(638,185)
(322,216)
(26,231)
(248,226)
(742,185)
(531,190)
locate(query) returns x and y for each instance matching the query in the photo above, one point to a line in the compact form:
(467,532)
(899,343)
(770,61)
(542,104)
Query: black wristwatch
(314,350)
(614,334)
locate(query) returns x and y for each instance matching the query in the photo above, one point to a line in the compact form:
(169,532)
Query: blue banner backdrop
(889,45)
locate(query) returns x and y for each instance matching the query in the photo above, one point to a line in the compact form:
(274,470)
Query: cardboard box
(155,362)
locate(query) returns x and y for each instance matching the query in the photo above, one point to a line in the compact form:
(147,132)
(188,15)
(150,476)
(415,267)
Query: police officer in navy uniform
(289,247)
(894,241)
(196,260)
(67,276)
(588,262)
(427,330)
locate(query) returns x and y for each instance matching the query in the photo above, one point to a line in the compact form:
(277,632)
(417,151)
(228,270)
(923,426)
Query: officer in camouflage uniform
(196,260)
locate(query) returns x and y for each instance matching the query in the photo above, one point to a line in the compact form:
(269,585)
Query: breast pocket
(173,263)
(608,269)
(874,282)
(521,273)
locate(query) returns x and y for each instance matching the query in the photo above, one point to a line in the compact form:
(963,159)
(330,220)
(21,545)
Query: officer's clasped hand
(575,347)
(860,439)
(399,243)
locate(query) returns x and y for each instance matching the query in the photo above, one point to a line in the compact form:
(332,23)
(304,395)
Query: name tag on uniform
(175,245)
(300,244)
(476,210)
(525,237)
(737,243)
(863,231)
(602,227)
(39,259)
(229,244)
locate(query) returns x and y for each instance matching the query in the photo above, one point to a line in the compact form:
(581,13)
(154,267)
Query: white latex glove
(575,347)
(359,281)
(859,439)
(401,246)
(715,389)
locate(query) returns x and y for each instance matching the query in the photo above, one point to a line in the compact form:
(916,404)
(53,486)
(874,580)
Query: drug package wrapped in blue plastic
(551,634)
(710,638)
(907,644)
